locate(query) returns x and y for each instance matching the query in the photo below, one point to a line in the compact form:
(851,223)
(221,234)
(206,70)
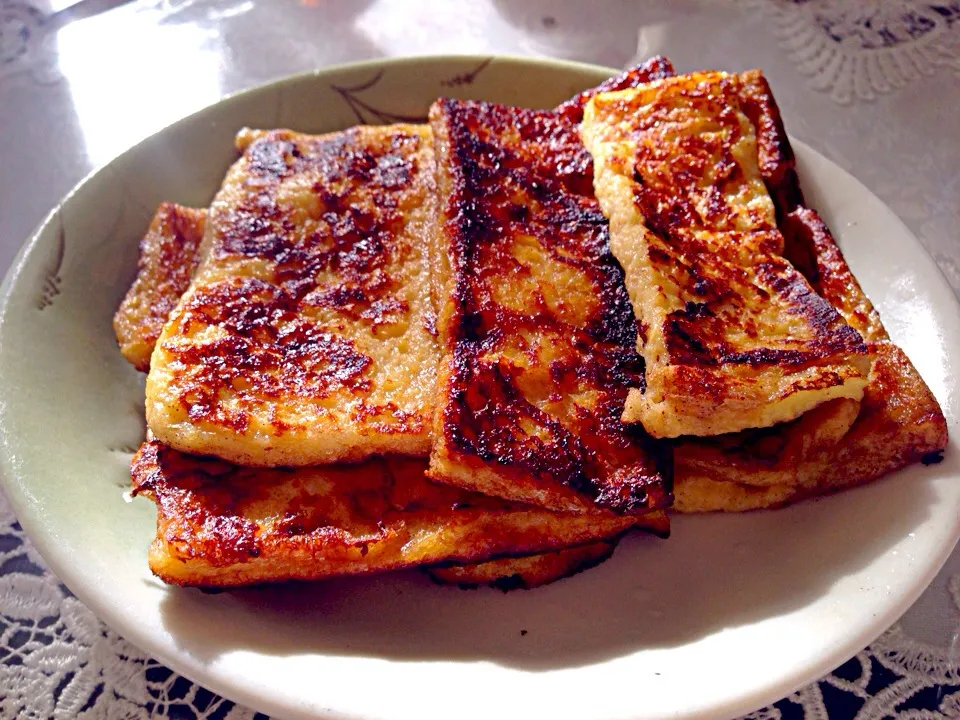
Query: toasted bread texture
(732,333)
(220,525)
(775,158)
(899,423)
(306,335)
(536,330)
(524,573)
(169,254)
(840,443)
(655,68)
(814,250)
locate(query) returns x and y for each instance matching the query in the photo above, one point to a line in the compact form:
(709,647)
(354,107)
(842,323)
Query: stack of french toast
(491,344)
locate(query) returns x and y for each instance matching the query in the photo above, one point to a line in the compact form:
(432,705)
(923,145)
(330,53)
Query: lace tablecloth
(874,85)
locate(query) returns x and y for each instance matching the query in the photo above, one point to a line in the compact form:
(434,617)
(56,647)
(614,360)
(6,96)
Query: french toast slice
(537,335)
(840,443)
(306,335)
(732,334)
(169,255)
(524,573)
(219,525)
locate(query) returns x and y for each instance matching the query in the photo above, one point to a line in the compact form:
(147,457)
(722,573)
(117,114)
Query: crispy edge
(169,256)
(829,273)
(524,573)
(537,570)
(654,68)
(900,423)
(778,164)
(210,533)
(808,242)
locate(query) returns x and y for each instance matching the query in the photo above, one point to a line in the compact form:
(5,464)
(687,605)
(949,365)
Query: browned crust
(169,254)
(898,422)
(271,344)
(829,273)
(695,334)
(288,347)
(513,177)
(777,162)
(654,68)
(524,573)
(736,336)
(223,525)
(170,251)
(808,243)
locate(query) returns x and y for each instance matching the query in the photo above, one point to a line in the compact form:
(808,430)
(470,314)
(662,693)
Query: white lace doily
(857,50)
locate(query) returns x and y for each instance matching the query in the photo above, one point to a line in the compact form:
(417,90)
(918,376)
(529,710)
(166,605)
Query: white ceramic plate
(729,614)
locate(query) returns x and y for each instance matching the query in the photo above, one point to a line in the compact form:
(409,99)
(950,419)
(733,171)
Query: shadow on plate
(716,572)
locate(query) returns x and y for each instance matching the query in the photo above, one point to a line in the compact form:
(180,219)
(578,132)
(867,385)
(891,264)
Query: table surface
(872,84)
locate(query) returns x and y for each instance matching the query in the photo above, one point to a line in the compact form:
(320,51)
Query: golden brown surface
(169,254)
(306,334)
(535,290)
(655,68)
(823,264)
(775,157)
(733,335)
(536,331)
(841,443)
(525,572)
(781,455)
(222,525)
(900,423)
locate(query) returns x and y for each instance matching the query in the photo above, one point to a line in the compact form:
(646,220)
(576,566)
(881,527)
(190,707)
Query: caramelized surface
(537,334)
(655,68)
(840,443)
(899,423)
(169,254)
(775,158)
(223,525)
(525,572)
(547,438)
(306,335)
(733,335)
(829,273)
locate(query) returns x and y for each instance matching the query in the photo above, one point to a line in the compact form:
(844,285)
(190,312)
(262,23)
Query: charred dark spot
(696,310)
(508,583)
(522,172)
(268,156)
(269,350)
